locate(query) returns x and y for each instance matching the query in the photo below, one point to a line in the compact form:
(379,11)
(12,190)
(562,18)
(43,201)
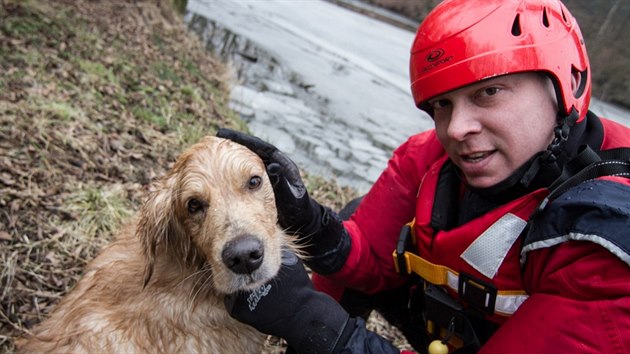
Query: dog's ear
(157,222)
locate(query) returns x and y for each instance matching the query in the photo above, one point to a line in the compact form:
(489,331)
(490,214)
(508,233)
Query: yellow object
(507,301)
(437,347)
(433,273)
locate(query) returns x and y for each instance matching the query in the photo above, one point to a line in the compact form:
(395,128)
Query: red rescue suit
(569,296)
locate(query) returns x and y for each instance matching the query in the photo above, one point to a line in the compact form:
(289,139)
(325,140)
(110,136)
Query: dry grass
(97,98)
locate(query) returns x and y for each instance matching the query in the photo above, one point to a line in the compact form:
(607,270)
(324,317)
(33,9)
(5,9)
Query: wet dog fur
(208,228)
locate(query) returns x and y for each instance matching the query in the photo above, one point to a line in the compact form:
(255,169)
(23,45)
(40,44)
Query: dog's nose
(244,254)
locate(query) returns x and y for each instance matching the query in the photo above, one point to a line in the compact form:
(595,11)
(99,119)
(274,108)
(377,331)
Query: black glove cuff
(324,232)
(330,261)
(356,338)
(304,219)
(345,335)
(323,329)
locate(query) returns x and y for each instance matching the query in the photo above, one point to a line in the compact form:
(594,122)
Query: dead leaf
(5,236)
(6,179)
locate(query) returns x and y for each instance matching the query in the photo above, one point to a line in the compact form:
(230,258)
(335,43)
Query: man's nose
(464,122)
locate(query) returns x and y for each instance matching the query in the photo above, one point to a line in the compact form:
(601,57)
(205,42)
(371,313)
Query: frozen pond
(326,85)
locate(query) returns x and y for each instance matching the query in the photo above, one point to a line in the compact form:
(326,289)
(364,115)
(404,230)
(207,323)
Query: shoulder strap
(588,165)
(446,200)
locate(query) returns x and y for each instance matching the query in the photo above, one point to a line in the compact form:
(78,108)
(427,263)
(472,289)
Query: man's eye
(254,182)
(491,91)
(195,206)
(437,104)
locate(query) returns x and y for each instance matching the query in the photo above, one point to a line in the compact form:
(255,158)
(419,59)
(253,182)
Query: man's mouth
(476,157)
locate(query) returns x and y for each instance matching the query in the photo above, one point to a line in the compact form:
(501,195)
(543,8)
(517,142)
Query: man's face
(491,128)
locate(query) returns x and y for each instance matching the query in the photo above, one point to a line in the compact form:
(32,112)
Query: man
(514,210)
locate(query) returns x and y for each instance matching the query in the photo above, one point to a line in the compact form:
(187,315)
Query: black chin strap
(549,158)
(589,165)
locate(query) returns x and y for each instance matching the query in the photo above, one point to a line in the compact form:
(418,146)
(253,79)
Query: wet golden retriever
(209,227)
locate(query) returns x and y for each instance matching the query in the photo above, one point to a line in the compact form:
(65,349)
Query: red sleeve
(375,226)
(579,303)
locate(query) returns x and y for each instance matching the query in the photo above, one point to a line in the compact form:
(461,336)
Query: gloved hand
(319,229)
(289,307)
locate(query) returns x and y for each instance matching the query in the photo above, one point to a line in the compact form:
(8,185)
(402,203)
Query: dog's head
(214,213)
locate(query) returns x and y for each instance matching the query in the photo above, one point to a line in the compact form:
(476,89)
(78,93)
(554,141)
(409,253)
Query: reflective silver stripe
(574,236)
(504,304)
(453,281)
(508,304)
(487,252)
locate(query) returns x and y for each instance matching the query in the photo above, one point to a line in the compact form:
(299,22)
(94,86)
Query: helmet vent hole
(545,19)
(516,26)
(581,86)
(564,17)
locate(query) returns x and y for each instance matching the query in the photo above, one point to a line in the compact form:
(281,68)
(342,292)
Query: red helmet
(462,41)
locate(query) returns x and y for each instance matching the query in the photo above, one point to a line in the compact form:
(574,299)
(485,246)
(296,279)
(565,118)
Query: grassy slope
(97,98)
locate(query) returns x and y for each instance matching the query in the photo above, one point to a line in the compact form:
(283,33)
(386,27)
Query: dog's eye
(195,206)
(254,182)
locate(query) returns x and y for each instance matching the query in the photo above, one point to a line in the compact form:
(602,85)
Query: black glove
(319,229)
(289,307)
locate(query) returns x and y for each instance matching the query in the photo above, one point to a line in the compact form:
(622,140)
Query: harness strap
(433,273)
(407,262)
